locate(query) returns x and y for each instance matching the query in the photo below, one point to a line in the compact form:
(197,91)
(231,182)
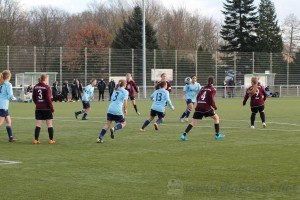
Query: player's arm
(213,103)
(152,96)
(10,92)
(125,106)
(169,102)
(48,99)
(135,87)
(264,93)
(245,98)
(169,88)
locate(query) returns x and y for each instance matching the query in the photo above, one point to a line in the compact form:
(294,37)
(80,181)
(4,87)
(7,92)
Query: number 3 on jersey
(40,96)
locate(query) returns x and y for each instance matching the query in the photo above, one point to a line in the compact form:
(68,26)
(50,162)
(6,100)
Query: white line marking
(8,162)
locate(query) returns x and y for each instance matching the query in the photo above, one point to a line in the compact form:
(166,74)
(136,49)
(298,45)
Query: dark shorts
(4,113)
(258,109)
(86,104)
(43,114)
(115,118)
(154,113)
(200,115)
(188,101)
(132,98)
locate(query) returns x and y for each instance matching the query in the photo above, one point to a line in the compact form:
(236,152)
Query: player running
(205,108)
(131,86)
(117,104)
(161,98)
(190,92)
(6,94)
(41,96)
(88,95)
(258,97)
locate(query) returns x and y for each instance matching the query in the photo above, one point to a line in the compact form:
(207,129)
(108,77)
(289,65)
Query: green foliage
(130,35)
(269,37)
(239,27)
(255,164)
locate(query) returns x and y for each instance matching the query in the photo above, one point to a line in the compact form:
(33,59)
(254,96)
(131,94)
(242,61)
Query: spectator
(74,91)
(111,87)
(101,87)
(29,89)
(79,89)
(65,91)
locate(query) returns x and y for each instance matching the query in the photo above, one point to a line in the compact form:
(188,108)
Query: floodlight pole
(144,52)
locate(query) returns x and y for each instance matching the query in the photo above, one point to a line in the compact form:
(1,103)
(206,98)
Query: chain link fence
(85,64)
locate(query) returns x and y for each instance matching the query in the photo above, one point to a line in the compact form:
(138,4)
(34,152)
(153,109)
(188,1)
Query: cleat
(264,125)
(84,118)
(183,138)
(181,120)
(252,127)
(156,126)
(36,142)
(51,142)
(112,131)
(186,119)
(100,140)
(12,139)
(76,115)
(220,136)
(142,130)
(138,113)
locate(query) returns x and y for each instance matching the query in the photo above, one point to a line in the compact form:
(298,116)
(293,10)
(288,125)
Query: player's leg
(8,129)
(262,115)
(87,109)
(196,117)
(252,118)
(134,105)
(37,131)
(159,120)
(50,130)
(216,119)
(147,122)
(104,130)
(121,124)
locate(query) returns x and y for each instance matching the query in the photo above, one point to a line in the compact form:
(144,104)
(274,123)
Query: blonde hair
(121,83)
(43,77)
(4,76)
(254,83)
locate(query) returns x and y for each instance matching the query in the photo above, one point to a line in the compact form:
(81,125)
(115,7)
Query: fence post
(234,66)
(60,67)
(85,66)
(271,63)
(109,63)
(154,62)
(176,72)
(7,57)
(132,63)
(253,62)
(288,73)
(216,69)
(196,63)
(34,59)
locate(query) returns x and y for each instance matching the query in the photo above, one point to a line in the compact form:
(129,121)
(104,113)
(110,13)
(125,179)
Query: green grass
(246,164)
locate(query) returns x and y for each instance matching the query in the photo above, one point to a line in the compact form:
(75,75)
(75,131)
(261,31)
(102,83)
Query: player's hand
(125,112)
(14,98)
(215,108)
(173,108)
(52,110)
(244,103)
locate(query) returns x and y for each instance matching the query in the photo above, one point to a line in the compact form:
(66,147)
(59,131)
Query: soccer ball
(188,80)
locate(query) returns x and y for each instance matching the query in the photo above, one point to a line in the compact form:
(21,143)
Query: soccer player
(131,86)
(88,95)
(258,97)
(6,94)
(161,98)
(190,92)
(41,96)
(164,78)
(205,108)
(117,104)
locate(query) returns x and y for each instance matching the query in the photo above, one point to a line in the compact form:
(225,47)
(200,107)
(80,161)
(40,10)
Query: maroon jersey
(41,96)
(130,87)
(258,99)
(168,86)
(205,99)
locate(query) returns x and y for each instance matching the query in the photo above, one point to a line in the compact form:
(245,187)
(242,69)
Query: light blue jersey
(117,100)
(160,98)
(191,90)
(88,93)
(6,93)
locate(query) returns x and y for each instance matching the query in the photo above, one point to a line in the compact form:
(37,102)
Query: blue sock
(146,123)
(102,133)
(9,132)
(118,127)
(159,120)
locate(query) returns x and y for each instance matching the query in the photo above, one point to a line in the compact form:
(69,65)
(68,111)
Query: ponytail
(5,75)
(210,81)
(121,83)
(1,79)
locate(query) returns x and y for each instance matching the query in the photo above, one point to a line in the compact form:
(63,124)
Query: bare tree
(291,33)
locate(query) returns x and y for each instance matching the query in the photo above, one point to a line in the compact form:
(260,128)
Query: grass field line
(69,119)
(8,162)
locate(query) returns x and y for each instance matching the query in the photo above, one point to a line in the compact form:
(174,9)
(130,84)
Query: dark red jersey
(168,86)
(130,87)
(205,99)
(41,96)
(258,99)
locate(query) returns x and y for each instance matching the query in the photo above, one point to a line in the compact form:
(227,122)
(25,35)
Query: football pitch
(260,163)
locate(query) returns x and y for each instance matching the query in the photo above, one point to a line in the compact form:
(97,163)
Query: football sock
(159,120)
(183,115)
(84,115)
(217,129)
(37,132)
(135,108)
(51,133)
(102,133)
(188,113)
(9,132)
(262,116)
(118,127)
(252,118)
(146,123)
(188,128)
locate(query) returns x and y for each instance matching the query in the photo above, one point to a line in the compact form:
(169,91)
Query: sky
(209,8)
